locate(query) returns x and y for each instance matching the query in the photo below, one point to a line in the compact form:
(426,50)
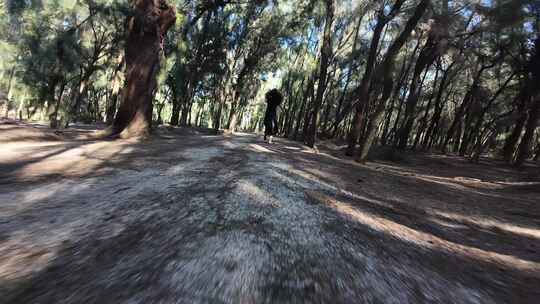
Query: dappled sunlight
(256,195)
(17,202)
(491,223)
(259,148)
(292,148)
(69,160)
(20,259)
(430,241)
(306,175)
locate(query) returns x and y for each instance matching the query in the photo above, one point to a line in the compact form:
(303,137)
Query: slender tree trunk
(326,53)
(175,113)
(388,117)
(439,105)
(9,90)
(462,109)
(537,150)
(53,118)
(530,94)
(304,102)
(146,30)
(475,134)
(115,90)
(401,97)
(525,146)
(385,71)
(423,121)
(510,145)
(340,112)
(290,123)
(436,45)
(362,95)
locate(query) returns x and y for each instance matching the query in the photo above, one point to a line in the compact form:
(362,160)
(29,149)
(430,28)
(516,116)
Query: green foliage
(222,56)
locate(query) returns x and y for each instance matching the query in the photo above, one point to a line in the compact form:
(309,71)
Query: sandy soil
(191,217)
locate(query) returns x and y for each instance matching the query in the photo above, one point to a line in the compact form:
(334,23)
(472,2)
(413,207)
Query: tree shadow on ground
(393,224)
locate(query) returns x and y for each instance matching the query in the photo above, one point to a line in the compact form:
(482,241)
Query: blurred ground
(190,217)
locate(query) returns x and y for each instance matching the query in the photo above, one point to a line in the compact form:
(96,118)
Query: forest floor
(191,217)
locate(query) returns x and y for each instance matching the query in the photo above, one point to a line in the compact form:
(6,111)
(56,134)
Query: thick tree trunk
(146,30)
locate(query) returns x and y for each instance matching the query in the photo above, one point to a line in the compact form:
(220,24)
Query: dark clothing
(273,100)
(270,119)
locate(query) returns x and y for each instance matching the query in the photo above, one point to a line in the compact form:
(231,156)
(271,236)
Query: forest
(404,167)
(449,76)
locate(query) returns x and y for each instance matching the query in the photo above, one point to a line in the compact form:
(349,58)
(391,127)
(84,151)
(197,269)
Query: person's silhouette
(273,100)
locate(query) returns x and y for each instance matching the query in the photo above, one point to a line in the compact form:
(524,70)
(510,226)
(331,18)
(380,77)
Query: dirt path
(195,218)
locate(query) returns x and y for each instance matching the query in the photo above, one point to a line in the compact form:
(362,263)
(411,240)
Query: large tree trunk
(146,30)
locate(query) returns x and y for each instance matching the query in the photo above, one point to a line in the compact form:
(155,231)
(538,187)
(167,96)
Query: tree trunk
(531,91)
(537,150)
(423,121)
(304,102)
(388,117)
(146,30)
(9,91)
(53,118)
(462,109)
(326,53)
(439,105)
(525,146)
(115,90)
(385,71)
(475,134)
(362,95)
(510,145)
